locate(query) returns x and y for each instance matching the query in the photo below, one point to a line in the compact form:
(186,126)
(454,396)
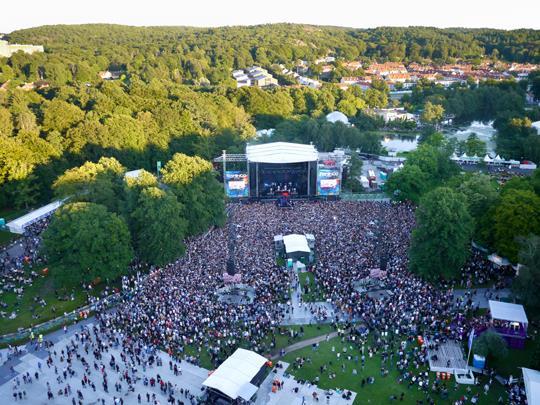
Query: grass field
(283,338)
(30,312)
(315,292)
(7,237)
(380,391)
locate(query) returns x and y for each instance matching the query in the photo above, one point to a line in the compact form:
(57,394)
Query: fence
(365,197)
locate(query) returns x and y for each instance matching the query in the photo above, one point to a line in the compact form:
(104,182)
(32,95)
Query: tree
(474,146)
(517,214)
(481,196)
(60,115)
(408,183)
(194,183)
(432,113)
(440,243)
(491,344)
(100,183)
(527,283)
(158,226)
(86,243)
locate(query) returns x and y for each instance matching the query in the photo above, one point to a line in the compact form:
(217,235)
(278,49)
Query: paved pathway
(286,395)
(305,343)
(36,391)
(483,295)
(297,312)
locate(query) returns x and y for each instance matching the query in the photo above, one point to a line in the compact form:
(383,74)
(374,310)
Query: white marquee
(296,243)
(233,377)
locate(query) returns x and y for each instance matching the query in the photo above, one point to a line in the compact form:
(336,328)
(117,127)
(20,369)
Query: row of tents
(497,160)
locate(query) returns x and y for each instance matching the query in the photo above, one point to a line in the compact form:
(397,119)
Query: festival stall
(510,322)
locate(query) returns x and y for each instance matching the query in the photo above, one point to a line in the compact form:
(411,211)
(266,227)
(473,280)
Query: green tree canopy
(527,283)
(195,185)
(99,182)
(158,226)
(491,344)
(517,214)
(408,184)
(440,243)
(432,113)
(85,242)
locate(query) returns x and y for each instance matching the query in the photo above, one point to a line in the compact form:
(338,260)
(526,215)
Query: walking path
(304,391)
(297,312)
(482,296)
(304,343)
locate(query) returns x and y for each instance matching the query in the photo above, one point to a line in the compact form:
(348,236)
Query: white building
(6,50)
(392,114)
(306,81)
(254,76)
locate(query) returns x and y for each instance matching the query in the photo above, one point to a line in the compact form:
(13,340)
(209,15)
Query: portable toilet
(479,361)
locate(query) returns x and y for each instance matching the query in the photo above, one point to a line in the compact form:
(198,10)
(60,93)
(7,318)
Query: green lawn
(282,338)
(7,237)
(315,294)
(31,313)
(383,388)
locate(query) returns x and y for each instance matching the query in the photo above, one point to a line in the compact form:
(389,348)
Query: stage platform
(450,357)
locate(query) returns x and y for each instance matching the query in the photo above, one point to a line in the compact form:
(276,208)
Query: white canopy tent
(531,378)
(281,152)
(506,311)
(19,225)
(233,377)
(296,243)
(498,260)
(133,174)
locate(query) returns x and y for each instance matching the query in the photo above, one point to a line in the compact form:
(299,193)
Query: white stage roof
(233,377)
(531,378)
(296,243)
(507,312)
(281,152)
(18,225)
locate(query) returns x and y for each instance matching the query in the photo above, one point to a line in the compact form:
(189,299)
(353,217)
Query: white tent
(281,152)
(498,159)
(506,311)
(454,156)
(133,174)
(487,159)
(233,377)
(498,260)
(337,116)
(296,243)
(19,225)
(531,378)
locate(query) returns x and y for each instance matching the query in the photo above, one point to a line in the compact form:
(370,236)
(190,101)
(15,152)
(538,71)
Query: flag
(471,338)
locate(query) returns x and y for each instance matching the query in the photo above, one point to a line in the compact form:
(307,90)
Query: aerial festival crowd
(176,308)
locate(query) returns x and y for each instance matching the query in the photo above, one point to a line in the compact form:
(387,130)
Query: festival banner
(328,179)
(236,184)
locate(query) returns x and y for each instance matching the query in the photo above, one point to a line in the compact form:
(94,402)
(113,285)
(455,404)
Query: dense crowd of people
(178,307)
(15,261)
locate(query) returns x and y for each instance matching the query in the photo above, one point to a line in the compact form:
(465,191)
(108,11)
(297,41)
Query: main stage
(271,170)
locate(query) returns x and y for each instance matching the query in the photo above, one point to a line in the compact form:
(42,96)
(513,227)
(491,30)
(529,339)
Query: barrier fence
(365,197)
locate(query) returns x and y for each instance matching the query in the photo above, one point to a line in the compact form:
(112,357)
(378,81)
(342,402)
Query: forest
(176,93)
